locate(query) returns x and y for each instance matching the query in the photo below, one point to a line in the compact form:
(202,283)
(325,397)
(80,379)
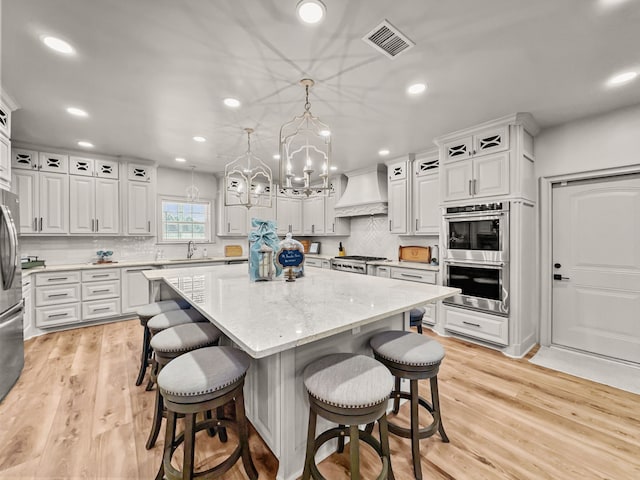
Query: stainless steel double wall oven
(476,256)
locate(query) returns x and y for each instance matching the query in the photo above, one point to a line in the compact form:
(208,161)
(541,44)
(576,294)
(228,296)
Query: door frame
(545,220)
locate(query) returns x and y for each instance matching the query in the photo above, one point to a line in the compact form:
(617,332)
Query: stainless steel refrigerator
(11,305)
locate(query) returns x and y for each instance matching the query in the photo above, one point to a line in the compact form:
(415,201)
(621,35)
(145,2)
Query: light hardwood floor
(76,413)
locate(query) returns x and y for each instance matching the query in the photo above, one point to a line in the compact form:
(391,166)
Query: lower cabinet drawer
(101,309)
(57,294)
(54,278)
(413,275)
(491,328)
(57,315)
(313,262)
(100,290)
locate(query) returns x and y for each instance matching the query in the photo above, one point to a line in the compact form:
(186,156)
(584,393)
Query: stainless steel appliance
(11,327)
(485,286)
(353,263)
(477,232)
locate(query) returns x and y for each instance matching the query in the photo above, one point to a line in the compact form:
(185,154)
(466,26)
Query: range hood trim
(365,194)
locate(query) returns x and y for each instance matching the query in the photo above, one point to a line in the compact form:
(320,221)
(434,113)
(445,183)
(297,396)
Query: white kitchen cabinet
(5,162)
(233,221)
(382,271)
(95,205)
(426,194)
(336,225)
(310,261)
(489,140)
(313,215)
(93,167)
(135,288)
(263,213)
(398,196)
(490,328)
(289,215)
(5,118)
(140,209)
(28,305)
(140,201)
(476,178)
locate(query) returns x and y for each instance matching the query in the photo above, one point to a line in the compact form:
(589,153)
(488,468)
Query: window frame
(210,220)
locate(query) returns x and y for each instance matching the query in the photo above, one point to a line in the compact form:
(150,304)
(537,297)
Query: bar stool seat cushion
(199,375)
(346,380)
(156,308)
(416,314)
(407,348)
(174,318)
(184,338)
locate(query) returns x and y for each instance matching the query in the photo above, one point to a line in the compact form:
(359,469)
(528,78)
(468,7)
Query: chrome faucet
(191,248)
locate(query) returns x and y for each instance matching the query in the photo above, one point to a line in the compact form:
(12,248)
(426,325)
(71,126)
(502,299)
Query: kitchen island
(286,325)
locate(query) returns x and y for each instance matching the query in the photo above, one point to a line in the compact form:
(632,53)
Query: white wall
(603,141)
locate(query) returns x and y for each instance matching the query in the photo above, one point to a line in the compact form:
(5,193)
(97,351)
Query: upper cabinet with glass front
(493,160)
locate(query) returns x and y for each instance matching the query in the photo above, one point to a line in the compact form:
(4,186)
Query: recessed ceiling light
(78,112)
(311,11)
(383,153)
(622,78)
(85,144)
(180,159)
(231,102)
(416,88)
(199,139)
(58,45)
(276,156)
(325,133)
(333,167)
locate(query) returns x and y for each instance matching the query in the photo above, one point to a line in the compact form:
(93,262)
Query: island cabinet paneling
(135,288)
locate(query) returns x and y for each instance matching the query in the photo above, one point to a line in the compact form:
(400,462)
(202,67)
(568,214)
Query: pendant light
(193,193)
(305,152)
(248,180)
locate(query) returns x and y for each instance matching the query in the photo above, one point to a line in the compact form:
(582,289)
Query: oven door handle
(474,216)
(462,263)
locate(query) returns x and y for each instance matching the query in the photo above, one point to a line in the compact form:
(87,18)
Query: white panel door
(426,200)
(107,206)
(24,183)
(135,289)
(455,180)
(596,256)
(491,175)
(54,202)
(81,205)
(397,191)
(139,208)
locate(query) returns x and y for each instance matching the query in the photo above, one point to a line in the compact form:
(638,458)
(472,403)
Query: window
(183,221)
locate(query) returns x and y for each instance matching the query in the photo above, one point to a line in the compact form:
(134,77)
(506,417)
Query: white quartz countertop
(265,318)
(134,263)
(414,265)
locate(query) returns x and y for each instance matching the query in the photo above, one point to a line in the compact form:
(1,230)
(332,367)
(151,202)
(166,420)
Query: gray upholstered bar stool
(169,344)
(196,382)
(415,317)
(166,320)
(145,313)
(415,357)
(349,390)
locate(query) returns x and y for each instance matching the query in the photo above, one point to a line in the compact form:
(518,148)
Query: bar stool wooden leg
(169,440)
(144,356)
(340,448)
(189,445)
(354,450)
(158,412)
(396,398)
(243,437)
(222,431)
(415,430)
(435,402)
(383,428)
(311,435)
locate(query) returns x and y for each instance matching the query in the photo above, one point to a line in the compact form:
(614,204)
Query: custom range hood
(366,193)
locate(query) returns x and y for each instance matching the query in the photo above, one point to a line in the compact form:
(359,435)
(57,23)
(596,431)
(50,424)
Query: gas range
(353,263)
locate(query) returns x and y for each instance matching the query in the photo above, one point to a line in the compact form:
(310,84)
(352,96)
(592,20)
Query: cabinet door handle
(101,309)
(57,315)
(102,290)
(35,224)
(408,275)
(93,225)
(54,295)
(416,224)
(52,279)
(313,229)
(228,227)
(470,193)
(101,275)
(389,225)
(475,189)
(333,227)
(40,223)
(97,226)
(471,323)
(149,226)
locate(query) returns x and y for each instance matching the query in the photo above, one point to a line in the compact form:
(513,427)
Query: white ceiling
(153,73)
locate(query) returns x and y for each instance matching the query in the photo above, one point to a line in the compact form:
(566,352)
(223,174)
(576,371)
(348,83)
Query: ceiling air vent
(388,39)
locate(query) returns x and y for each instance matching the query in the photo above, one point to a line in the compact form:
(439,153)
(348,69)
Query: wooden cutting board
(414,254)
(233,251)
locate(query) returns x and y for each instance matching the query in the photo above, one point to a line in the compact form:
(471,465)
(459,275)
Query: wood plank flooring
(76,413)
